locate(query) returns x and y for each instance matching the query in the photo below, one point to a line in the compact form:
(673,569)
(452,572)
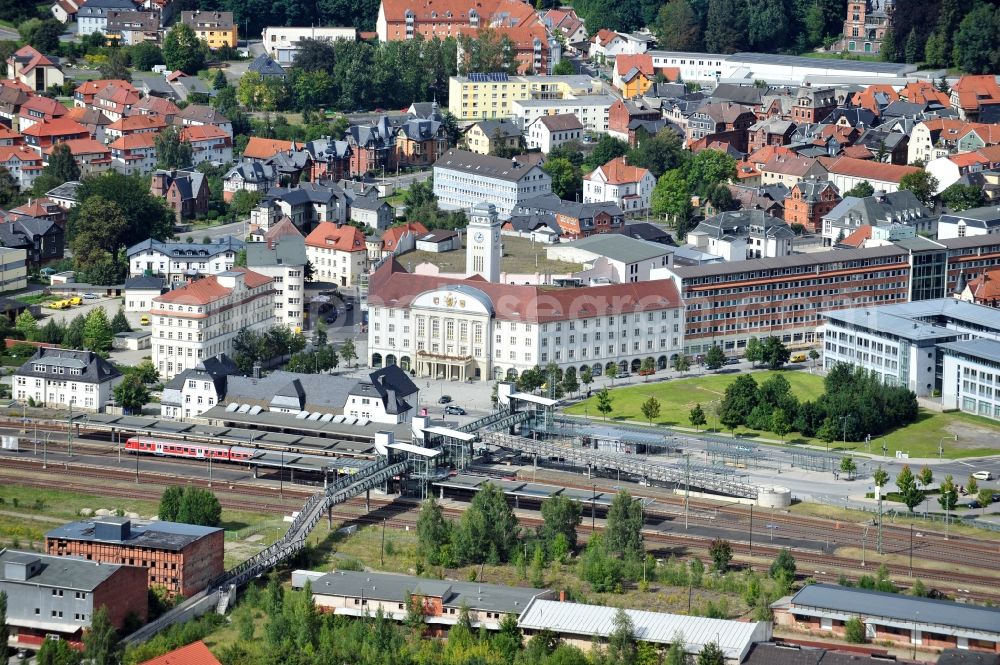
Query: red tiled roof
(641,61)
(130,123)
(56,127)
(391,237)
(23,153)
(866,99)
(923,92)
(6,134)
(973,90)
(764,154)
(858,151)
(964,159)
(35,208)
(866,169)
(604,36)
(258,148)
(986,286)
(283,228)
(202,133)
(36,59)
(392,286)
(858,237)
(618,172)
(11,83)
(207,290)
(795,165)
(119,96)
(88,88)
(49,107)
(343,238)
(195,653)
(86,146)
(134,141)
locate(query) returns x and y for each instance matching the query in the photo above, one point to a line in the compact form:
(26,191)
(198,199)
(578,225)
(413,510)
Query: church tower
(482,243)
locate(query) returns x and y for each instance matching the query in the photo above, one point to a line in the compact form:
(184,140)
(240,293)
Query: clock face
(479,236)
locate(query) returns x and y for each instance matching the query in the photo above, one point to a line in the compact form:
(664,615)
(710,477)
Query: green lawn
(976,436)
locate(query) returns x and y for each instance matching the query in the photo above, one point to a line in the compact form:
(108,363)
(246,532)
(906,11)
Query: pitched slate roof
(93,368)
(264,65)
(486,166)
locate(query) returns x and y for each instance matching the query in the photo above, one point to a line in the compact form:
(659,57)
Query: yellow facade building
(217,29)
(489,96)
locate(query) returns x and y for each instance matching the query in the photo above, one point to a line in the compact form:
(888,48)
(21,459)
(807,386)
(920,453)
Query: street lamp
(941,446)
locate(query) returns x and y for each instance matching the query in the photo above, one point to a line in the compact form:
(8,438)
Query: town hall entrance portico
(451,368)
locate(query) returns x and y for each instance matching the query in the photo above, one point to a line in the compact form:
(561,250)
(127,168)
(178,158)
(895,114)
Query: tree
(606,149)
(56,652)
(715,357)
(854,630)
(711,654)
(604,400)
(780,423)
(570,384)
(681,363)
(888,51)
(145,216)
(672,198)
(42,34)
(120,323)
(960,197)
(9,188)
(827,433)
(170,503)
(183,50)
(774,353)
(659,153)
(926,477)
(623,529)
(97,334)
(586,376)
(972,486)
(948,496)
(26,324)
(566,179)
(561,515)
(677,28)
(861,190)
(62,166)
(848,466)
(244,202)
(738,401)
(975,49)
(563,68)
(697,417)
(724,28)
(753,352)
(115,67)
(73,337)
(984,497)
(922,184)
(538,567)
(488,51)
(348,351)
(813,356)
(906,483)
(145,56)
(199,506)
(171,151)
(488,529)
(721,552)
(131,394)
(100,641)
(783,566)
(98,226)
(622,645)
(433,532)
(651,409)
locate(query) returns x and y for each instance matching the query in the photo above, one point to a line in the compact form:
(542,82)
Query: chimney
(562,596)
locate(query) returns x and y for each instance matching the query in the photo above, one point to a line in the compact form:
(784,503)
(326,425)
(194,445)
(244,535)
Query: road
(238,229)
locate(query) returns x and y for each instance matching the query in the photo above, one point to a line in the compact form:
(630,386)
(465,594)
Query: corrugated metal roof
(734,637)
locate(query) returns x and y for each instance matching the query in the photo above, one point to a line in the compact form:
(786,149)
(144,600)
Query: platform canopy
(450,433)
(537,399)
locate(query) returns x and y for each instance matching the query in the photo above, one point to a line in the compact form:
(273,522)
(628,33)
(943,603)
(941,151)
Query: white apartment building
(337,253)
(282,43)
(464,179)
(284,261)
(973,222)
(180,261)
(200,319)
(631,187)
(473,329)
(971,377)
(592,110)
(693,66)
(60,378)
(552,131)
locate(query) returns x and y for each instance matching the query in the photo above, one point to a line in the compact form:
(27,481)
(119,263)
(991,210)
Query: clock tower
(482,243)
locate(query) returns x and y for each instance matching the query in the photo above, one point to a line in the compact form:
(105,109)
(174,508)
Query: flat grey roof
(897,69)
(791,261)
(618,247)
(394,588)
(58,571)
(987,349)
(157,535)
(948,308)
(876,320)
(898,606)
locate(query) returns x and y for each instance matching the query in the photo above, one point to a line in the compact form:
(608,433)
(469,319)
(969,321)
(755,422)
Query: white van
(982,475)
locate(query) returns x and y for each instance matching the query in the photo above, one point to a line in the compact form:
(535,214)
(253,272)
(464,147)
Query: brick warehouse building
(182,558)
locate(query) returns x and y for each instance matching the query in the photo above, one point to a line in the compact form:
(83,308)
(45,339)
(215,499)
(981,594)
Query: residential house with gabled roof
(93,15)
(265,65)
(199,114)
(565,21)
(487,137)
(631,187)
(23,164)
(217,29)
(95,121)
(548,132)
(65,11)
(876,97)
(186,192)
(924,92)
(208,144)
(337,253)
(129,28)
(282,257)
(742,234)
(44,135)
(770,131)
(93,157)
(42,239)
(9,137)
(808,201)
(950,169)
(813,104)
(971,93)
(983,289)
(307,204)
(86,92)
(722,121)
(420,141)
(157,107)
(196,390)
(135,124)
(789,169)
(38,72)
(39,109)
(880,210)
(626,115)
(56,378)
(846,172)
(373,147)
(574,219)
(396,240)
(177,261)
(41,208)
(11,99)
(387,396)
(331,159)
(259,149)
(249,176)
(134,154)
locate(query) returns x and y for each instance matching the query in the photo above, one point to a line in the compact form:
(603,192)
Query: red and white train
(189,450)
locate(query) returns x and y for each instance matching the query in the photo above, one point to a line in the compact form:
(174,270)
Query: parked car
(90,296)
(982,475)
(444,399)
(454,410)
(332,318)
(732,361)
(348,305)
